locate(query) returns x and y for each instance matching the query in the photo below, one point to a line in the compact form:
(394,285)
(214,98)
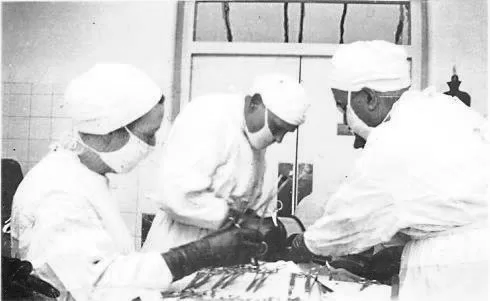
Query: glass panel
(322,23)
(210,25)
(257,22)
(268,22)
(248,22)
(374,22)
(293,22)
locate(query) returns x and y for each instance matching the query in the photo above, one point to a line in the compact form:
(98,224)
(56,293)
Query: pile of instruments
(268,281)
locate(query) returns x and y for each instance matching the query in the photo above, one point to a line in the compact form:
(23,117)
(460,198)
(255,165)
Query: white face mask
(127,157)
(262,138)
(354,122)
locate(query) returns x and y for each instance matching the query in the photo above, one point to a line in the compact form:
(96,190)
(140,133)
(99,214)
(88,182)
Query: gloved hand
(385,264)
(17,281)
(356,264)
(274,236)
(296,250)
(225,247)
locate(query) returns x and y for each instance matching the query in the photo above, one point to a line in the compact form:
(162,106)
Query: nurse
(63,218)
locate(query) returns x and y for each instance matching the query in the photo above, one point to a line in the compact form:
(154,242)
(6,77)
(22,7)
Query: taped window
(302,22)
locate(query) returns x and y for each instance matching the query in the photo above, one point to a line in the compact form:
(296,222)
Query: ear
(252,103)
(372,99)
(256,100)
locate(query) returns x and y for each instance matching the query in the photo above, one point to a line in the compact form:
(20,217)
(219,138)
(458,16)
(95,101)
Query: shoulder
(59,173)
(210,112)
(212,104)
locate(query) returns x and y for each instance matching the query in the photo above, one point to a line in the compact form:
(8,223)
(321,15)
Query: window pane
(267,22)
(374,22)
(248,22)
(322,23)
(293,22)
(210,25)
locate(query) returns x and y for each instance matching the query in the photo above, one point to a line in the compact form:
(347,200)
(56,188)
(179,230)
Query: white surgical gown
(208,162)
(425,173)
(65,222)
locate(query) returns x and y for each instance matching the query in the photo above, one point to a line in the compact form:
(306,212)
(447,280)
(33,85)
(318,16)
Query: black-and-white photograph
(278,150)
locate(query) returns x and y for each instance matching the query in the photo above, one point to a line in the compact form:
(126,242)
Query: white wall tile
(20,88)
(5,126)
(17,127)
(19,105)
(15,149)
(5,105)
(59,106)
(41,105)
(40,128)
(5,148)
(38,149)
(60,126)
(6,88)
(59,88)
(42,88)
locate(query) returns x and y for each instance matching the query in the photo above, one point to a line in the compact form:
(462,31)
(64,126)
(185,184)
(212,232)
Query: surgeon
(66,224)
(423,175)
(214,161)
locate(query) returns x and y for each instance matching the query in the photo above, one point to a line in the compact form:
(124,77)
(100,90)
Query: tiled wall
(34,116)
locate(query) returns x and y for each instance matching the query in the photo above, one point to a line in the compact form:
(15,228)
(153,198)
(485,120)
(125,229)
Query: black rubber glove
(225,247)
(385,264)
(356,264)
(296,250)
(274,236)
(17,281)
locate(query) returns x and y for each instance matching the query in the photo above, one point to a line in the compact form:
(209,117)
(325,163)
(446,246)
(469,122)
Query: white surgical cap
(379,65)
(110,96)
(283,96)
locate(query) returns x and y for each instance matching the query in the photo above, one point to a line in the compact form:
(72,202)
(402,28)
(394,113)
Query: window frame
(186,47)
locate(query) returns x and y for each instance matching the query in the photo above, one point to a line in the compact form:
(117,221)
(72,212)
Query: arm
(197,147)
(69,243)
(361,215)
(82,256)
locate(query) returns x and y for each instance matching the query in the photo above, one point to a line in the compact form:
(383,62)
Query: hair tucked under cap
(110,96)
(283,96)
(379,65)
